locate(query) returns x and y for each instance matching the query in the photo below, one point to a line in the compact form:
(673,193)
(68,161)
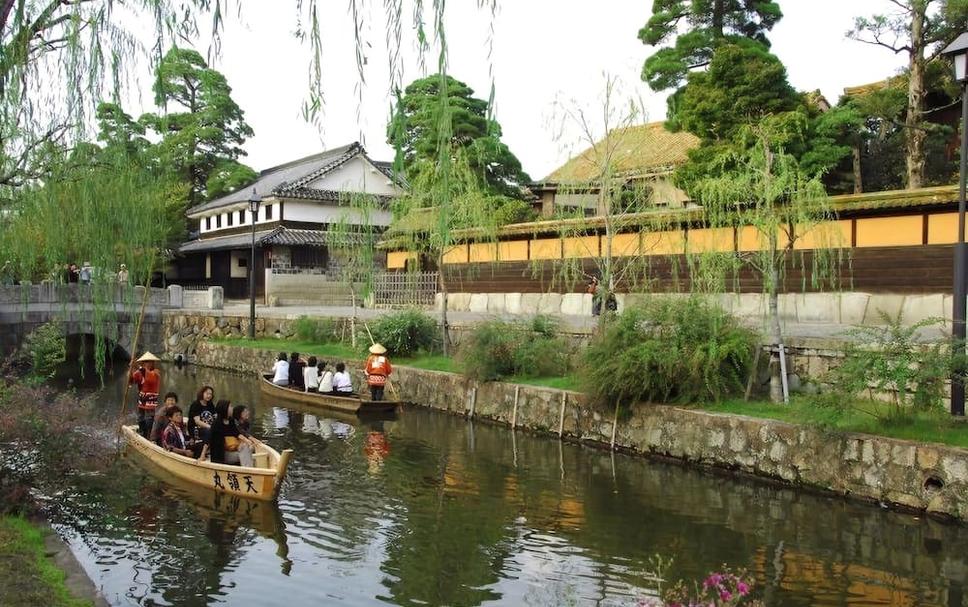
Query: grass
(325,350)
(27,575)
(863,416)
(568,382)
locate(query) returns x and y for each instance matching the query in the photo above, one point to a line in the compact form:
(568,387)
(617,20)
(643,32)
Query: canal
(431,509)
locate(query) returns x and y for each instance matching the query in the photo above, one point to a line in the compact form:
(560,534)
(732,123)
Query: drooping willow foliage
(110,213)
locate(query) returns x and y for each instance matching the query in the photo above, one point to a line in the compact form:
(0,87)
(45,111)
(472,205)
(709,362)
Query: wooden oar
(389,383)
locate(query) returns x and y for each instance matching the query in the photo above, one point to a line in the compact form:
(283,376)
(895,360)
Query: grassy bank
(332,353)
(863,417)
(27,575)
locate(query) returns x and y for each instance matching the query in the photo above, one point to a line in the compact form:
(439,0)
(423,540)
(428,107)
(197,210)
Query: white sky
(544,50)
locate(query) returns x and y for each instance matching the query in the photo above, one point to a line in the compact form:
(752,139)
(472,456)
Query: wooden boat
(260,482)
(349,404)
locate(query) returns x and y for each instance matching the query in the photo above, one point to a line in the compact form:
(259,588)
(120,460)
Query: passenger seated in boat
(227,445)
(174,437)
(161,418)
(311,375)
(342,382)
(325,379)
(201,414)
(280,370)
(296,366)
(240,414)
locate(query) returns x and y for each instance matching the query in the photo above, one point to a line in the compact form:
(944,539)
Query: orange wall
(482,252)
(826,235)
(456,254)
(514,250)
(581,246)
(889,231)
(943,228)
(546,248)
(663,243)
(708,240)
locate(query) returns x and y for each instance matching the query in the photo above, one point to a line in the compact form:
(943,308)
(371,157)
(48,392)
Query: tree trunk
(353,317)
(858,176)
(444,331)
(776,338)
(913,122)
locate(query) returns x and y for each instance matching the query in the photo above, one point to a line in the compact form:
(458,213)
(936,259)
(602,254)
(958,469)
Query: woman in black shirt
(227,444)
(201,414)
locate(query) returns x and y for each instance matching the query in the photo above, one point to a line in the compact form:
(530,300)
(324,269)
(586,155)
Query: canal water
(431,509)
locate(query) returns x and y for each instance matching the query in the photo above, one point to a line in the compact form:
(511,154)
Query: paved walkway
(572,324)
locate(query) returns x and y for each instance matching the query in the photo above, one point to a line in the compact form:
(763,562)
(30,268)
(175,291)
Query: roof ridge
(351,151)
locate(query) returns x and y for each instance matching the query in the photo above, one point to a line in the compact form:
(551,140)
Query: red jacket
(377,369)
(149,385)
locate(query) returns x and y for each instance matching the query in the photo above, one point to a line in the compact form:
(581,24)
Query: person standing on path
(85,273)
(148,380)
(123,275)
(377,370)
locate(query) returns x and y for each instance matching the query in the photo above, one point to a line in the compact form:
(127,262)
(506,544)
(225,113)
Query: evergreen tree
(416,130)
(699,27)
(203,142)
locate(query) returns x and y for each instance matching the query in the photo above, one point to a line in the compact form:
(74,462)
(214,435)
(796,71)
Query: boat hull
(326,401)
(259,483)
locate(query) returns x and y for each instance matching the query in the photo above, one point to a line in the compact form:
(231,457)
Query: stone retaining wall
(924,477)
(848,308)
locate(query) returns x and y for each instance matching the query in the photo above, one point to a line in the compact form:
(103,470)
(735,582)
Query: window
(241,217)
(243,262)
(218,221)
(268,212)
(228,219)
(208,223)
(308,257)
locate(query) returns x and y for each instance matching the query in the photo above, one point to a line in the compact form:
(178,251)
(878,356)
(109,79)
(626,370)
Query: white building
(301,200)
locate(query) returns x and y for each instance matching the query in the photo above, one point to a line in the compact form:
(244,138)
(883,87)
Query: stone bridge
(114,309)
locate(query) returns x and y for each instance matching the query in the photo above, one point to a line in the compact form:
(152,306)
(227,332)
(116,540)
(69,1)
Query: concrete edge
(78,582)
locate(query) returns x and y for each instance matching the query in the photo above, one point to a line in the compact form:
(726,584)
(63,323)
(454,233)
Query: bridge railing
(75,293)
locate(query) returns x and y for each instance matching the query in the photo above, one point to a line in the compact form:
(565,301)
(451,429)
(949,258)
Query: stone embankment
(908,475)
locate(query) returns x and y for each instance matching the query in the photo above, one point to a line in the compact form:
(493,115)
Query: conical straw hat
(377,349)
(148,357)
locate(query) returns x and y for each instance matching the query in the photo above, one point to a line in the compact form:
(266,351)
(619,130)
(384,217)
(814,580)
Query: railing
(402,289)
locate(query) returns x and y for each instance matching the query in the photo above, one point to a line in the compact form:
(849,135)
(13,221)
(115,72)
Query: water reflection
(430,509)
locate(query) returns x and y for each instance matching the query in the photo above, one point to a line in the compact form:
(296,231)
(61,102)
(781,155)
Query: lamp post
(254,201)
(958,52)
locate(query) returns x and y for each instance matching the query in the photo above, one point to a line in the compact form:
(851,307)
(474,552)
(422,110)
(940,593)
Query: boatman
(377,370)
(148,380)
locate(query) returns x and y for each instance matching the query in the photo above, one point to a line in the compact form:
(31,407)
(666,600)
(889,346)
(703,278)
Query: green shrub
(318,330)
(893,360)
(406,333)
(669,350)
(496,349)
(46,348)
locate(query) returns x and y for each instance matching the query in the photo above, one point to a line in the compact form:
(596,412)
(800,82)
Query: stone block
(920,307)
(550,303)
(818,307)
(496,303)
(478,303)
(786,304)
(530,302)
(458,302)
(176,296)
(892,305)
(512,303)
(571,304)
(751,306)
(216,298)
(438,301)
(853,307)
(586,304)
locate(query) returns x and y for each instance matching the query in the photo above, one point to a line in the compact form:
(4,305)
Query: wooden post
(561,415)
(514,413)
(754,373)
(473,402)
(614,425)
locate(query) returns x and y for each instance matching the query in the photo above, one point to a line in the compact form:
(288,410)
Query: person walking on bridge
(377,370)
(148,380)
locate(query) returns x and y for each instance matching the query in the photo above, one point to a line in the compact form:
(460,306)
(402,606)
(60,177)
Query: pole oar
(373,342)
(134,344)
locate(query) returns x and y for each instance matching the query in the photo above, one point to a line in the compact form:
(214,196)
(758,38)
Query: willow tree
(764,193)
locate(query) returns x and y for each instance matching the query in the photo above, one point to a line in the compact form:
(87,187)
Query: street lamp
(958,52)
(254,201)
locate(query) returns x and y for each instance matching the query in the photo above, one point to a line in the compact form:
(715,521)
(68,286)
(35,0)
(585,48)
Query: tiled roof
(291,179)
(221,243)
(637,150)
(873,87)
(311,238)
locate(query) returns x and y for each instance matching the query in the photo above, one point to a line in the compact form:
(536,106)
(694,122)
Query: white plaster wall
(236,269)
(301,210)
(357,175)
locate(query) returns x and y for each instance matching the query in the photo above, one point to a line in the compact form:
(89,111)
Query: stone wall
(909,475)
(848,308)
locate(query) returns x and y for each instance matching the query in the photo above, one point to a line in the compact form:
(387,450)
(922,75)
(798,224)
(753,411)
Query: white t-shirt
(342,382)
(281,373)
(326,382)
(311,377)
